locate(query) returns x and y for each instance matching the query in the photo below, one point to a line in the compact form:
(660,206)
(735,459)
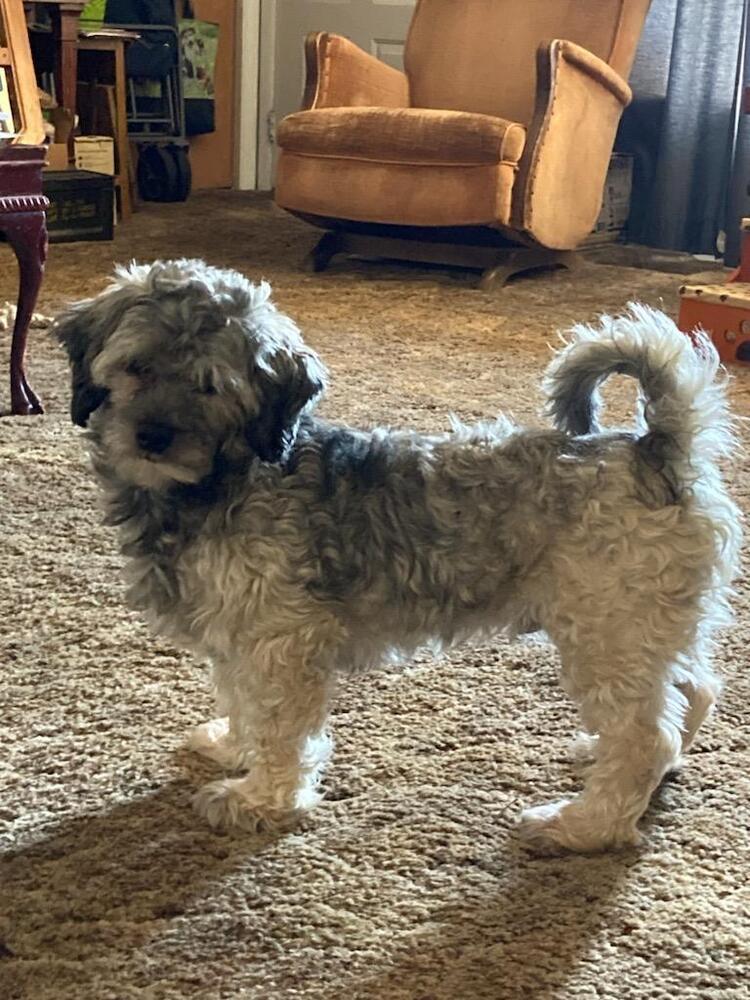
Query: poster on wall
(199,41)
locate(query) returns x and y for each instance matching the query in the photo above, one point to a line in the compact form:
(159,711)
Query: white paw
(540,826)
(227,805)
(583,747)
(568,825)
(213,740)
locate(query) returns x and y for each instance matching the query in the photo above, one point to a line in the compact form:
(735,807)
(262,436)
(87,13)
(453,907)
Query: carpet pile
(408,883)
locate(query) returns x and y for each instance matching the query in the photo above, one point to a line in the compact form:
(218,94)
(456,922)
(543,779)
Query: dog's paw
(583,747)
(213,740)
(566,825)
(227,805)
(540,827)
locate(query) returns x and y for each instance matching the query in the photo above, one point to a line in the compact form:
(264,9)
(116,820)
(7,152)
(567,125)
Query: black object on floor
(164,172)
(81,205)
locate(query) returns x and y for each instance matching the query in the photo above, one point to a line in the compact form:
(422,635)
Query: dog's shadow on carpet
(143,862)
(550,917)
(150,861)
(528,942)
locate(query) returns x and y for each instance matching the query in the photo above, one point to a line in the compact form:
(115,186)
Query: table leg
(27,235)
(121,131)
(66,72)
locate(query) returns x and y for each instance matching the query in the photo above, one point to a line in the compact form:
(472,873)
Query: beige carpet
(408,884)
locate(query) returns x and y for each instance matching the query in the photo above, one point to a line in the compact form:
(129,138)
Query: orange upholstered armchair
(497,135)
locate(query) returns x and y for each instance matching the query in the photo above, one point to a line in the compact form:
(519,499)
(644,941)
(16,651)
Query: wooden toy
(723,311)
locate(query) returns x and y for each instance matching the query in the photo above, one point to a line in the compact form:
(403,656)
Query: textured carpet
(408,883)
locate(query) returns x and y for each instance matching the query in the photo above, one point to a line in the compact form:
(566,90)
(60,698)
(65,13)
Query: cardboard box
(95,153)
(618,187)
(57,151)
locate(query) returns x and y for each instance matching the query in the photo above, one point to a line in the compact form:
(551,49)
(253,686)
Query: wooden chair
(491,150)
(102,62)
(22,204)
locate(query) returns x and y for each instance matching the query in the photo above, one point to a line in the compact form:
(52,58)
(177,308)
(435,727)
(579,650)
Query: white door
(377,26)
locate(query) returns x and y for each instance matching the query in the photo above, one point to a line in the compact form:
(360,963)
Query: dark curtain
(681,125)
(738,200)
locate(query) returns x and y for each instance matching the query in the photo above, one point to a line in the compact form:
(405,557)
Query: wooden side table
(97,50)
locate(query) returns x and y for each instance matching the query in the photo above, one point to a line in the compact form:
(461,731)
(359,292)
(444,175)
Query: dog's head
(178,366)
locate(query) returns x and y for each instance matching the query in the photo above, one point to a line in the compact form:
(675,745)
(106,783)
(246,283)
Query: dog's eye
(208,390)
(136,368)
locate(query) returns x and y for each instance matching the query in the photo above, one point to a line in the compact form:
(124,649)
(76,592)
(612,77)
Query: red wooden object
(22,219)
(723,311)
(22,203)
(742,273)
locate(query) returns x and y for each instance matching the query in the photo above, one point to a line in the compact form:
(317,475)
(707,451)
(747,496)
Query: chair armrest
(341,75)
(558,192)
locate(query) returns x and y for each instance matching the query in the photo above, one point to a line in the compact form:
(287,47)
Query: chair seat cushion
(418,136)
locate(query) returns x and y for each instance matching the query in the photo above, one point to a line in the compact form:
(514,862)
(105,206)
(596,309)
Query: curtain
(685,83)
(738,201)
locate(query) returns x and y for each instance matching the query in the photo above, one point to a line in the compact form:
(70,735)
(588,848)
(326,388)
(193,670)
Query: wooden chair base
(497,264)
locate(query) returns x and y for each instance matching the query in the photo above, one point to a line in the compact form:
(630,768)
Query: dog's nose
(155,438)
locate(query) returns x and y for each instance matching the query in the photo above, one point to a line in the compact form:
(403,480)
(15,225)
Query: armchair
(490,150)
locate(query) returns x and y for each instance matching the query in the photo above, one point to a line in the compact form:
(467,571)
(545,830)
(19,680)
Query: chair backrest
(480,55)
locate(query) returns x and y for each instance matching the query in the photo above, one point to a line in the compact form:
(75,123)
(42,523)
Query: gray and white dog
(292,552)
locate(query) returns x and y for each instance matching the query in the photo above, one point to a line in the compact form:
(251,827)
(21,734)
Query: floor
(409,882)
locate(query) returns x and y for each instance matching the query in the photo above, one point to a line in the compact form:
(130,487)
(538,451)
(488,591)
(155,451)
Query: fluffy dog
(291,552)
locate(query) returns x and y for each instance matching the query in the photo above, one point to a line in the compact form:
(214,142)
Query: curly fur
(292,552)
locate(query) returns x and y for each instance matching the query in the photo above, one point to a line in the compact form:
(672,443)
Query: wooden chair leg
(526,259)
(27,235)
(324,251)
(120,119)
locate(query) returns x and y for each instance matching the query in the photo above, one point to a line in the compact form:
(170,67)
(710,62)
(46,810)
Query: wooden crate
(723,311)
(81,205)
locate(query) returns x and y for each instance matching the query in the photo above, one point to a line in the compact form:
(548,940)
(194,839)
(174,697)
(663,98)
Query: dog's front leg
(277,702)
(215,739)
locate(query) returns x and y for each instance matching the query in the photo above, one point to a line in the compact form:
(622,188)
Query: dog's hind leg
(637,715)
(277,722)
(630,605)
(624,649)
(700,686)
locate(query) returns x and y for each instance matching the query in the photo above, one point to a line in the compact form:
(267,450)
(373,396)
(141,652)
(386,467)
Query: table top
(80,4)
(731,293)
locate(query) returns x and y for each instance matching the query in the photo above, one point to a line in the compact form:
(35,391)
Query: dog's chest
(236,584)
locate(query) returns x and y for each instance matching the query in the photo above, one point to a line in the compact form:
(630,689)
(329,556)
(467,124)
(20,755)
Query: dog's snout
(154,437)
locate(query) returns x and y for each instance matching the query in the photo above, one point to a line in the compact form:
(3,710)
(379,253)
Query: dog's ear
(289,383)
(83,329)
(73,329)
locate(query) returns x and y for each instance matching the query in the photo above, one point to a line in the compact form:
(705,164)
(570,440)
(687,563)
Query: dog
(292,552)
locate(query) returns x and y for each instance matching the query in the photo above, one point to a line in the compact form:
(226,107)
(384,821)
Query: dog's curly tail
(685,422)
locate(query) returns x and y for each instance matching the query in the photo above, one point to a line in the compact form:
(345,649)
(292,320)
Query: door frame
(266,85)
(247,105)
